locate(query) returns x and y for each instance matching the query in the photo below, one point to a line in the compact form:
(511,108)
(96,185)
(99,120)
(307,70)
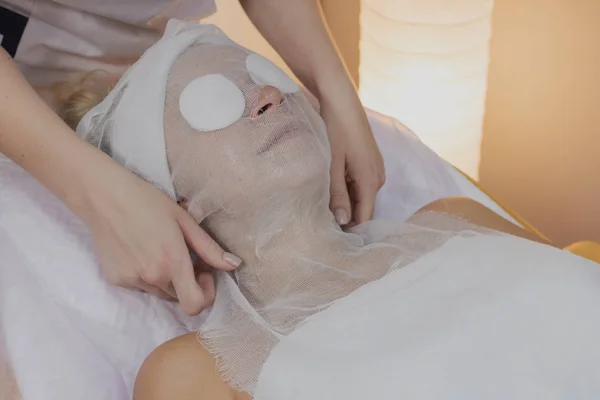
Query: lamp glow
(425,63)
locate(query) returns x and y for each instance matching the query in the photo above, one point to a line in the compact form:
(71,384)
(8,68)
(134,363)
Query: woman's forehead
(211,58)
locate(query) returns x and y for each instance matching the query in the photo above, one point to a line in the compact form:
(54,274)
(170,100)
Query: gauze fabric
(259,185)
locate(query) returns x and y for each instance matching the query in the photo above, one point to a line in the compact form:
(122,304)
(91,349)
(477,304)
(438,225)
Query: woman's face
(239,133)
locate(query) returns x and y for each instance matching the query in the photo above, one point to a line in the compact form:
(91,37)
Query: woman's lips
(280,135)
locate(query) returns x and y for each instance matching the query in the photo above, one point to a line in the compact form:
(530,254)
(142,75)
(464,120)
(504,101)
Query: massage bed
(69,335)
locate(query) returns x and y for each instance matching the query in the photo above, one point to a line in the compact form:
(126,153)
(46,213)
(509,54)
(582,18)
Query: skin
(8,386)
(181,368)
(140,235)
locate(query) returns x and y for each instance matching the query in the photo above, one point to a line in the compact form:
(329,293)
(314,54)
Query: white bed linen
(70,335)
(68,332)
(416,176)
(486,317)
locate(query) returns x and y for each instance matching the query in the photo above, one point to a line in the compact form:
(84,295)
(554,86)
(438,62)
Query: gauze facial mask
(264,72)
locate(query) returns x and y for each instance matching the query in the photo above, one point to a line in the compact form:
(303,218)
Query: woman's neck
(260,236)
(296,262)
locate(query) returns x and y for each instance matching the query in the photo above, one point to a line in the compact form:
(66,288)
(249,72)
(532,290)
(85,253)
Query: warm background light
(541,144)
(541,139)
(425,63)
(231,18)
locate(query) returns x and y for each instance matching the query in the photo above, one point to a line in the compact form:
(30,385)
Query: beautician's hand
(297,30)
(140,236)
(357,171)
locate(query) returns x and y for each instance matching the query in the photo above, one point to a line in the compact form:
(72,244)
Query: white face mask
(239,133)
(197,104)
(214,101)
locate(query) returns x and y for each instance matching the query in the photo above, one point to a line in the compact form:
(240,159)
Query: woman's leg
(182,369)
(477,214)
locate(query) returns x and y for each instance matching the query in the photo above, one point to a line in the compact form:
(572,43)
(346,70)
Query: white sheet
(68,331)
(416,176)
(70,335)
(486,317)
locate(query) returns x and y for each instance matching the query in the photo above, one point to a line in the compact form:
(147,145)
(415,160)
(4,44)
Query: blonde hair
(75,97)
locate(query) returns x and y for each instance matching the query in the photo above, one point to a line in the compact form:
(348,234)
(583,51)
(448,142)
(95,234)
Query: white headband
(136,129)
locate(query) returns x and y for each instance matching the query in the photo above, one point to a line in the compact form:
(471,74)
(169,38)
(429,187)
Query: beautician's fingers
(190,295)
(340,199)
(165,288)
(205,246)
(155,291)
(169,289)
(206,281)
(363,195)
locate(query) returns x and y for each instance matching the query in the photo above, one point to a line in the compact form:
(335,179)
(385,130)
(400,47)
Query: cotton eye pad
(264,72)
(211,102)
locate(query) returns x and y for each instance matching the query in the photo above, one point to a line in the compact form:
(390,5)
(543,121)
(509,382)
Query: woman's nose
(268,97)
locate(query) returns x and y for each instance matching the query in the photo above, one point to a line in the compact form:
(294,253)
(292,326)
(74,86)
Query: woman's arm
(473,212)
(296,29)
(140,235)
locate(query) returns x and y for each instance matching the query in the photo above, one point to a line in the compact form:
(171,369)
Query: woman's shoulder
(182,369)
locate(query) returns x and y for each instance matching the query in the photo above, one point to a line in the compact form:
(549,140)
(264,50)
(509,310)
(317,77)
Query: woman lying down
(455,303)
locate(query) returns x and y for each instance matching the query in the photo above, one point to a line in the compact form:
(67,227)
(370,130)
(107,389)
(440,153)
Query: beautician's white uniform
(50,38)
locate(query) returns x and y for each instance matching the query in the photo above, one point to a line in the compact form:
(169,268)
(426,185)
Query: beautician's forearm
(297,31)
(34,137)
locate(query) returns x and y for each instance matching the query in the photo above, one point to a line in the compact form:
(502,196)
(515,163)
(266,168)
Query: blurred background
(538,137)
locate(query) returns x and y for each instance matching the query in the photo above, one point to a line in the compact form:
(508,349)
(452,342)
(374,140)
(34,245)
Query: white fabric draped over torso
(486,317)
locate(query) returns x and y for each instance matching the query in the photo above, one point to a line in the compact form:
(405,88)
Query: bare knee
(180,369)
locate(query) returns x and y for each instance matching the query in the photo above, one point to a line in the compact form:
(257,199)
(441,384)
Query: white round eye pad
(264,72)
(211,102)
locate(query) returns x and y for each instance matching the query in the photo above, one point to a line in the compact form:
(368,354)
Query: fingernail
(341,216)
(232,259)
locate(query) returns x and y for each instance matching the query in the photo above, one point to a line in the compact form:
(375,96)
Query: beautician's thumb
(206,247)
(340,200)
